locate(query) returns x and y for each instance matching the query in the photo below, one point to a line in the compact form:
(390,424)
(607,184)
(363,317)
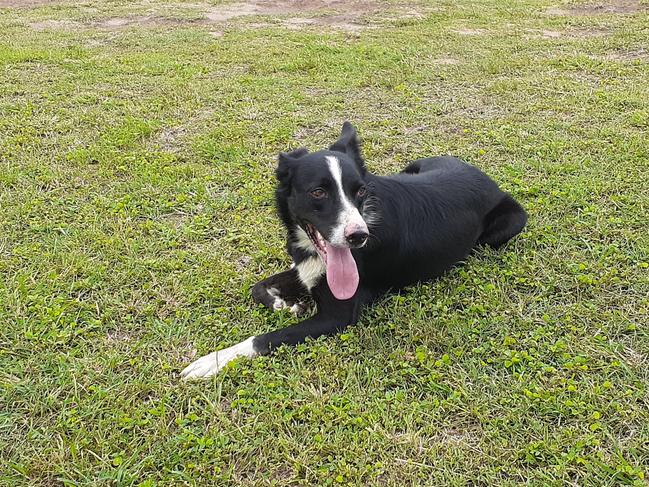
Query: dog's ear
(348,144)
(286,162)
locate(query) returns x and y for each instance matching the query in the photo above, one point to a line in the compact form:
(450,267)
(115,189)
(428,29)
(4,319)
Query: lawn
(137,147)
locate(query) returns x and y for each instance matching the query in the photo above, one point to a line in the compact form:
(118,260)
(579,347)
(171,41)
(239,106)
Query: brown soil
(24,3)
(589,32)
(601,8)
(54,24)
(540,34)
(330,12)
(446,60)
(339,14)
(469,32)
(625,55)
(351,8)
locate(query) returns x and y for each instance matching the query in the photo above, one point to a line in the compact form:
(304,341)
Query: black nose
(357,239)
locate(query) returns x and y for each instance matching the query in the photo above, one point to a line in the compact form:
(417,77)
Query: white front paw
(299,308)
(279,303)
(203,367)
(212,363)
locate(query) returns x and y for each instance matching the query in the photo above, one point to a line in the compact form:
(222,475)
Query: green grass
(136,180)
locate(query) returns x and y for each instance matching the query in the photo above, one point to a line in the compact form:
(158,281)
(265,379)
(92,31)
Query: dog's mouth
(342,272)
(318,241)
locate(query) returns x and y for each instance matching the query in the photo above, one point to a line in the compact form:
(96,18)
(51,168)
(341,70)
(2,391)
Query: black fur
(422,222)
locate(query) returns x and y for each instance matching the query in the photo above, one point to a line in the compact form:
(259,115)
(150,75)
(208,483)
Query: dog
(354,236)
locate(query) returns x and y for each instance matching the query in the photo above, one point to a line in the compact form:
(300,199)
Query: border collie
(354,236)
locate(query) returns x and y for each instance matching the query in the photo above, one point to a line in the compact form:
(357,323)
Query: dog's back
(432,215)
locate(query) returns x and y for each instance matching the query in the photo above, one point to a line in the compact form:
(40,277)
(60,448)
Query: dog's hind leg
(283,290)
(502,223)
(432,163)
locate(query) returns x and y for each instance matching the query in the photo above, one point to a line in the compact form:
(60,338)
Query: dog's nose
(357,238)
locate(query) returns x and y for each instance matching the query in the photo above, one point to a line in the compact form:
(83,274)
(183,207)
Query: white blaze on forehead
(349,214)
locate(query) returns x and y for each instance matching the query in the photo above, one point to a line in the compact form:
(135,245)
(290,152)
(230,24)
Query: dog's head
(325,195)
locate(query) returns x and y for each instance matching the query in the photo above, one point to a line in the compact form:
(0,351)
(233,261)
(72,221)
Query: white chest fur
(310,271)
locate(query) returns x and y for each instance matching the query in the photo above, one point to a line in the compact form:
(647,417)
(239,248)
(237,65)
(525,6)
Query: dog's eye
(362,191)
(318,193)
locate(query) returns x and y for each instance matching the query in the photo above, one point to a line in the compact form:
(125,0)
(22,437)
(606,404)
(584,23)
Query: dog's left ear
(348,144)
(286,162)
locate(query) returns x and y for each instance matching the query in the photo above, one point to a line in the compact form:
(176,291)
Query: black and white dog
(354,236)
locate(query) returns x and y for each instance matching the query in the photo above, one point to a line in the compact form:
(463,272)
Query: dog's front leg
(327,321)
(332,317)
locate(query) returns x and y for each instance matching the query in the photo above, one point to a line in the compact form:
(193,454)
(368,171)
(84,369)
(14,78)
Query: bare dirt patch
(614,7)
(293,14)
(24,3)
(588,32)
(617,7)
(174,138)
(624,55)
(456,436)
(556,11)
(336,21)
(416,129)
(310,135)
(449,61)
(569,34)
(542,34)
(113,23)
(469,32)
(117,23)
(224,13)
(118,335)
(176,219)
(637,55)
(169,138)
(243,262)
(288,7)
(483,111)
(55,24)
(635,358)
(550,34)
(335,13)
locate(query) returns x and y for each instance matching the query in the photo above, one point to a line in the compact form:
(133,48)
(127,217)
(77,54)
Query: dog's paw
(278,301)
(299,308)
(212,363)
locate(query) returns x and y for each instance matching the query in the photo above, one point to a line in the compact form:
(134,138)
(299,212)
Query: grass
(136,179)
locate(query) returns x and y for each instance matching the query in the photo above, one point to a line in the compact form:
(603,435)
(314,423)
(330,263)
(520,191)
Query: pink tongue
(342,273)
